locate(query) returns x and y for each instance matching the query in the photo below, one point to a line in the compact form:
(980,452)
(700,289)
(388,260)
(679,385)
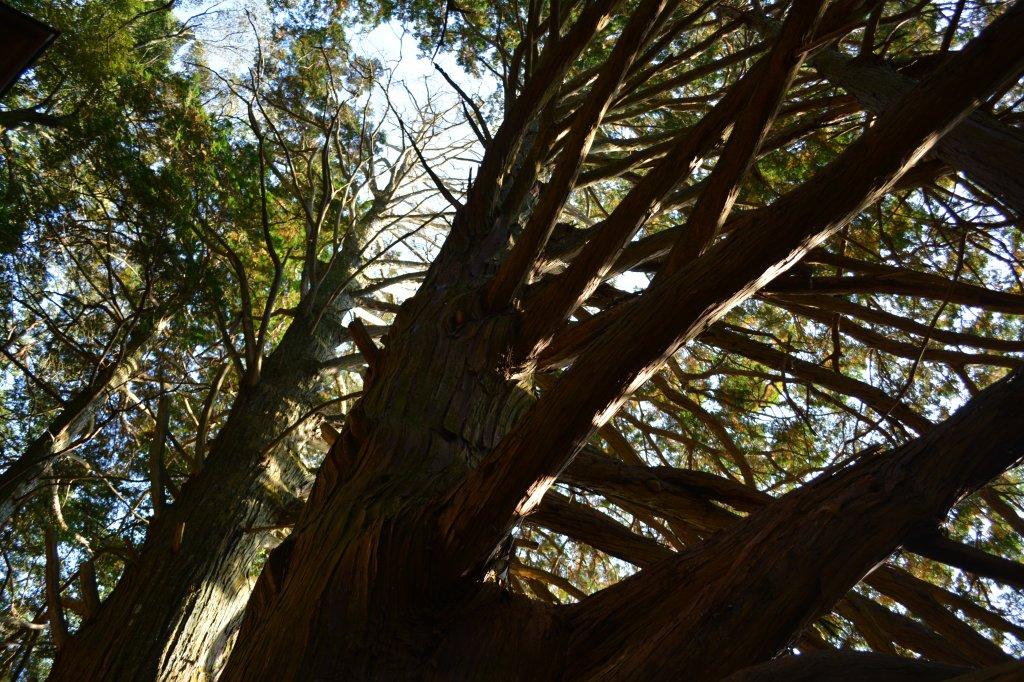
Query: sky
(222,27)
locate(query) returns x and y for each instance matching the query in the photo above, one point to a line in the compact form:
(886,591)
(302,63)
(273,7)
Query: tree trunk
(449,449)
(175,610)
(383,589)
(423,423)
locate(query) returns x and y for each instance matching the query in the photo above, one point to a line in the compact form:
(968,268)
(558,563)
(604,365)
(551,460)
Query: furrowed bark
(156,454)
(537,92)
(54,608)
(878,638)
(89,589)
(665,487)
(556,298)
(643,254)
(1001,507)
(569,343)
(950,639)
(202,429)
(376,496)
(973,647)
(938,547)
(687,497)
(875,621)
(557,513)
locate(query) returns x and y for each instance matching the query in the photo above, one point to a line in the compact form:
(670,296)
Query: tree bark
(422,423)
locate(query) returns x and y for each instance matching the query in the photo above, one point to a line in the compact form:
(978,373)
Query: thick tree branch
(514,478)
(516,268)
(881,501)
(774,76)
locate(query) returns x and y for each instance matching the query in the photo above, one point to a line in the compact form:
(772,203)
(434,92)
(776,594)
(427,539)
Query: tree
(792,363)
(410,522)
(294,186)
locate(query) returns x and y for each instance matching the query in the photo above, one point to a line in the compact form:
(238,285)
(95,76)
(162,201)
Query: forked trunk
(449,448)
(382,576)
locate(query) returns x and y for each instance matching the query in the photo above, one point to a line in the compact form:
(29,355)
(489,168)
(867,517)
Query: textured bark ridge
(425,421)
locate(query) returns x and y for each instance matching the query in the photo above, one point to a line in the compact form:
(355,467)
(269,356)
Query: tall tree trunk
(424,421)
(175,610)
